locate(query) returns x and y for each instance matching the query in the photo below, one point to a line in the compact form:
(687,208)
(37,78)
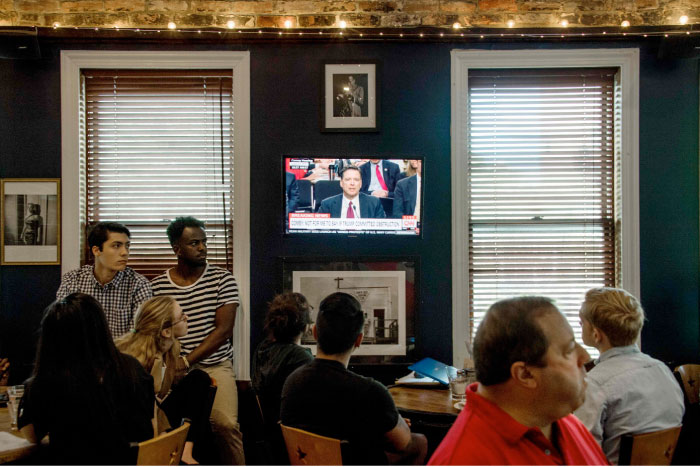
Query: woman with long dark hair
(276,358)
(88,397)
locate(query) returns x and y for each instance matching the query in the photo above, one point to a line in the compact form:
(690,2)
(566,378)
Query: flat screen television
(325,195)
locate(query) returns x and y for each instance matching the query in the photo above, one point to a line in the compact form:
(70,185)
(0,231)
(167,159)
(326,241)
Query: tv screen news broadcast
(380,196)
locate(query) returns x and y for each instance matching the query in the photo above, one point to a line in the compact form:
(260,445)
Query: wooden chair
(165,449)
(305,448)
(655,448)
(690,377)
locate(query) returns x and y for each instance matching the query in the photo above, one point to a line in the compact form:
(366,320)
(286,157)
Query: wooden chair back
(690,377)
(655,448)
(165,449)
(306,448)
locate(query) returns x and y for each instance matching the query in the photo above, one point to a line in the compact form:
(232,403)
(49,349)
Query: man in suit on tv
(291,193)
(379,178)
(345,205)
(407,193)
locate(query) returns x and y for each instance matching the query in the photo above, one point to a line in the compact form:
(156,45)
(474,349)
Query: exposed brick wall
(327,14)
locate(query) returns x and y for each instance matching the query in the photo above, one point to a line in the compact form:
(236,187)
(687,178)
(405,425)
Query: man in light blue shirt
(628,391)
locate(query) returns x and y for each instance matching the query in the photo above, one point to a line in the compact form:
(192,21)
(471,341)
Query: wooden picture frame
(30,228)
(379,283)
(350,96)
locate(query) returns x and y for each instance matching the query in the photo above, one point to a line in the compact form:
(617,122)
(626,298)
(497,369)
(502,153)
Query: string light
(625,24)
(510,23)
(288,23)
(564,23)
(683,19)
(230,24)
(343,24)
(434,33)
(456,26)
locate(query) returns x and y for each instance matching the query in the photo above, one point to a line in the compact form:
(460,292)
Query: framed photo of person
(350,99)
(387,289)
(30,231)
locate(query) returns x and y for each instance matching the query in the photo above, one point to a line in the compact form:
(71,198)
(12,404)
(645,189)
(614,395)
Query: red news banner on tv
(302,222)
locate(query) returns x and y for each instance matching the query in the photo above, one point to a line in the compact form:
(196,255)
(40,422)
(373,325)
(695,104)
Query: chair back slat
(305,448)
(165,449)
(655,448)
(690,375)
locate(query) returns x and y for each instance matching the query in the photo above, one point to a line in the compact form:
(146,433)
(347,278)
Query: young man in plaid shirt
(119,289)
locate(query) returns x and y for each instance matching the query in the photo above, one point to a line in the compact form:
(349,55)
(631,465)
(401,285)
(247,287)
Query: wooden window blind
(541,186)
(158,145)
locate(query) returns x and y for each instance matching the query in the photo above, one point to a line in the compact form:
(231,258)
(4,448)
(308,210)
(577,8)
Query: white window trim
(464,60)
(72,61)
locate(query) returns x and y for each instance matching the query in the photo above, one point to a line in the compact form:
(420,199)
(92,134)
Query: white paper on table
(9,441)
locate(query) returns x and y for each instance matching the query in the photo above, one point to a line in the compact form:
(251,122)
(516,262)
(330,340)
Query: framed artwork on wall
(350,99)
(30,231)
(386,288)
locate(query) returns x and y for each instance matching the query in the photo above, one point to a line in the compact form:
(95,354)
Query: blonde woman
(153,342)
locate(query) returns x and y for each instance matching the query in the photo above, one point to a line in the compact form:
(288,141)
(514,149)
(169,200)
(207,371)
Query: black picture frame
(312,276)
(350,96)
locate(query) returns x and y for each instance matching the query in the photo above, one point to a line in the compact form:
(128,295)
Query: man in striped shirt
(208,296)
(119,289)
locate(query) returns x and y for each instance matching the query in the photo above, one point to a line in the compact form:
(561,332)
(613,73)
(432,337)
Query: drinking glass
(14,394)
(458,383)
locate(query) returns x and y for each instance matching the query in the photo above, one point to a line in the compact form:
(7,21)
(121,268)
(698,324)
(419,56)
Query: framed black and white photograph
(350,100)
(386,290)
(30,232)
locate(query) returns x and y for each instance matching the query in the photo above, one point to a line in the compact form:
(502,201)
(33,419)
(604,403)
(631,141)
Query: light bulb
(683,19)
(625,24)
(343,24)
(171,25)
(230,24)
(564,23)
(510,23)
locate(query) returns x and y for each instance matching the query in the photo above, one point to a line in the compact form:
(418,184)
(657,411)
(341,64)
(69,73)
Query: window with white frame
(542,176)
(229,179)
(159,144)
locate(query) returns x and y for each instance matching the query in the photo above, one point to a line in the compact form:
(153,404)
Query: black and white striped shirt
(199,301)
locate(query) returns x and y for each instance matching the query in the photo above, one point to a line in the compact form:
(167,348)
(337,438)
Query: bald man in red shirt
(531,378)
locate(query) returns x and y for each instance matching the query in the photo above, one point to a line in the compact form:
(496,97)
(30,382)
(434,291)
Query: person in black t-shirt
(325,398)
(88,397)
(275,359)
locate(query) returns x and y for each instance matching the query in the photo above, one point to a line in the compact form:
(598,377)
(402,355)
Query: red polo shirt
(483,434)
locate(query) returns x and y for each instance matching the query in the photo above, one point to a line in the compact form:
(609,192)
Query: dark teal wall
(415,119)
(668,198)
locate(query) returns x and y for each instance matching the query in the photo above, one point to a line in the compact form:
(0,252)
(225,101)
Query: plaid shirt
(120,298)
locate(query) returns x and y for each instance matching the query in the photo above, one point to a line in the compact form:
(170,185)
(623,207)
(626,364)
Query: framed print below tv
(387,289)
(350,97)
(30,230)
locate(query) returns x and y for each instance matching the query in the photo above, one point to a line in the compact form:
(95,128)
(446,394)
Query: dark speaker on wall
(19,44)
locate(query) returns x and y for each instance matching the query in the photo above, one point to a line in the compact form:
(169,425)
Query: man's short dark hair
(510,333)
(349,167)
(339,322)
(177,226)
(99,233)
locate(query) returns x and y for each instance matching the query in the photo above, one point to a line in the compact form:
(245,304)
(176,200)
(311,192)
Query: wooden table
(425,400)
(12,454)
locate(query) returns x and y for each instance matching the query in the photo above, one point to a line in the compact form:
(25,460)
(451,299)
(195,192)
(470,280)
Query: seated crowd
(128,359)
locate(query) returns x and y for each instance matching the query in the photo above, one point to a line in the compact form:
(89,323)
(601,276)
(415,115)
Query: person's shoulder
(572,424)
(369,198)
(135,276)
(75,273)
(219,272)
(406,180)
(392,165)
